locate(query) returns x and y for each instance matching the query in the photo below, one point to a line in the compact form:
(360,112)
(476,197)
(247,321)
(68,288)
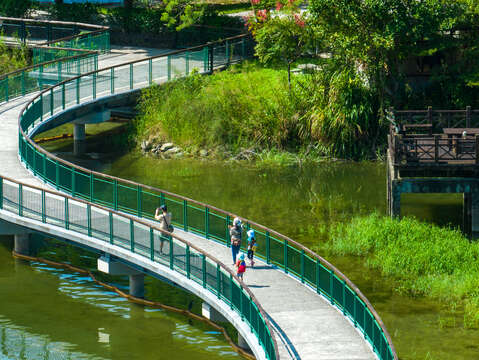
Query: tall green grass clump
(427,260)
(244,107)
(250,106)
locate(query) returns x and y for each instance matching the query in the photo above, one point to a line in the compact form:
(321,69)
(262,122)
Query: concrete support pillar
(475,214)
(79,136)
(137,285)
(211,313)
(22,243)
(395,200)
(242,343)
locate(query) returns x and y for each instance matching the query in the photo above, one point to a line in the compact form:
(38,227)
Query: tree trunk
(128,4)
(58,2)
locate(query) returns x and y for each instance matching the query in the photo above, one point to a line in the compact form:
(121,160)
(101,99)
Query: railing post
(231,291)
(67,224)
(205,59)
(110,220)
(170,239)
(132,236)
(241,303)
(131,76)
(88,212)
(429,114)
(436,148)
(185,215)
(268,252)
(23,83)
(331,276)
(44,213)
(285,249)
(115,194)
(188,263)
(51,101)
(203,269)
(92,179)
(57,175)
(152,245)
(318,265)
(211,57)
(150,72)
(227,235)
(207,223)
(302,266)
(168,66)
(94,85)
(112,80)
(78,90)
(73,182)
(138,200)
(20,199)
(218,280)
(63,96)
(468,116)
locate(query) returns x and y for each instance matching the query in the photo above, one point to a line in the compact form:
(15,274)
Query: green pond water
(301,202)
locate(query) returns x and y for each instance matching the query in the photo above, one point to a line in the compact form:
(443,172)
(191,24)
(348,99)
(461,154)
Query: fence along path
(308,325)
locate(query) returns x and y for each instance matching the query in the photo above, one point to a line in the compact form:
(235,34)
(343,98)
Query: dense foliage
(13,58)
(14,8)
(406,54)
(426,260)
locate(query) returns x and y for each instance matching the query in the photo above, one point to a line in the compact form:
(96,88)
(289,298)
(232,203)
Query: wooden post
(468,116)
(429,114)
(436,148)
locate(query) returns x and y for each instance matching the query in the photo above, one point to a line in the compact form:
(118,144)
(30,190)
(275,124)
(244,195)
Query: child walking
(251,246)
(240,267)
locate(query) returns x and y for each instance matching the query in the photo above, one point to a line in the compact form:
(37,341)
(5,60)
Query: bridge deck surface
(307,326)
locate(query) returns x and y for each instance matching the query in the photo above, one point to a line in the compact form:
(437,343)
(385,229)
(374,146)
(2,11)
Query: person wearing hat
(235,237)
(251,246)
(165,223)
(240,266)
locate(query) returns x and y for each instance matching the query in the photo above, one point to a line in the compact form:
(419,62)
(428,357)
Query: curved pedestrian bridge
(292,305)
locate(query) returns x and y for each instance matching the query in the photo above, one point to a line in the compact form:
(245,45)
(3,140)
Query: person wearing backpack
(165,223)
(251,246)
(240,267)
(235,237)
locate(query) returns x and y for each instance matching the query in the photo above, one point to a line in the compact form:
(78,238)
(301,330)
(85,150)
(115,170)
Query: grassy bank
(250,107)
(426,260)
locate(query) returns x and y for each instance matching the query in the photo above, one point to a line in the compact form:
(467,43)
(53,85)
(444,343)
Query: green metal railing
(141,200)
(143,239)
(34,78)
(71,49)
(57,33)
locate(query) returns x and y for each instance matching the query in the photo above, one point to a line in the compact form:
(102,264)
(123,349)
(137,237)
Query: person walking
(235,237)
(240,267)
(251,246)
(164,217)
